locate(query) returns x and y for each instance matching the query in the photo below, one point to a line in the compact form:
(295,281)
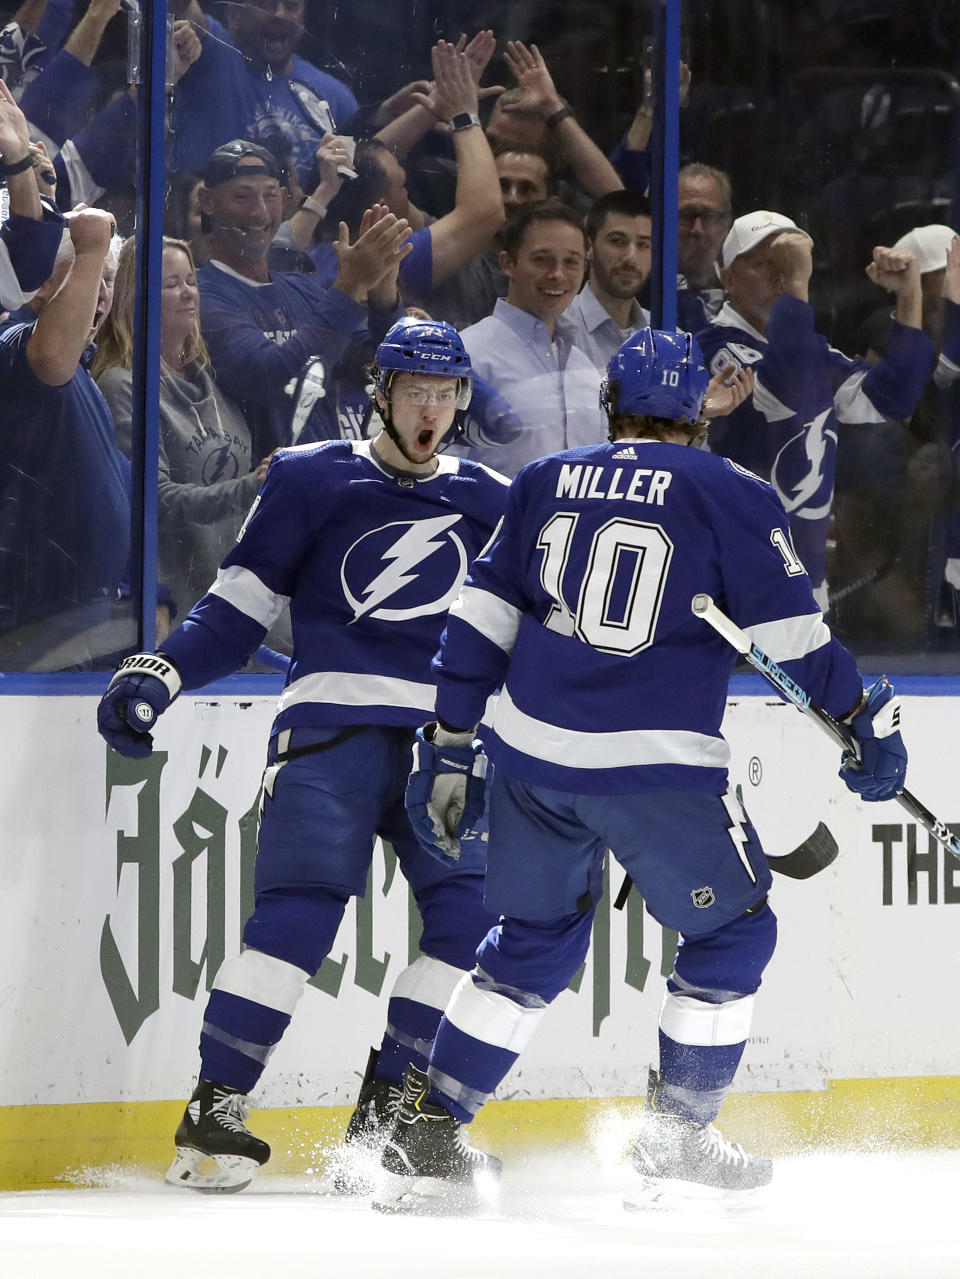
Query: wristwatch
(18,166)
(465,120)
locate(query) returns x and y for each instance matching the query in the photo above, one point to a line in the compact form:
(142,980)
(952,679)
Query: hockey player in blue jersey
(607,736)
(368,542)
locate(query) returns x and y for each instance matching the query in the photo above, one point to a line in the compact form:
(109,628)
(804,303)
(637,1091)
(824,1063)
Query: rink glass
(832,113)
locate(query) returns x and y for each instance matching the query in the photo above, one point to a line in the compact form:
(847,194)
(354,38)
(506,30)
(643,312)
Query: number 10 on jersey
(619,596)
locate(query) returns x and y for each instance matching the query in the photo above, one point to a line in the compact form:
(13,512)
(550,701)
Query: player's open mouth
(424,437)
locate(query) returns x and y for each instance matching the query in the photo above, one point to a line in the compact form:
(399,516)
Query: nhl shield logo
(702,898)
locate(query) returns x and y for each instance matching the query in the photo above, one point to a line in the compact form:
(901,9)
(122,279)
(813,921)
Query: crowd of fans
(301,224)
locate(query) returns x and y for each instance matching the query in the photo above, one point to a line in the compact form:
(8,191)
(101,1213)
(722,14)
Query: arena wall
(123,884)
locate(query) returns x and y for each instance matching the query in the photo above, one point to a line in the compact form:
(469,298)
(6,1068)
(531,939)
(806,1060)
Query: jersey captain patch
(383,573)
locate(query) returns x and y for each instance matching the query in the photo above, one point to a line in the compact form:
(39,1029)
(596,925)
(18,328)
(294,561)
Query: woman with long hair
(206,481)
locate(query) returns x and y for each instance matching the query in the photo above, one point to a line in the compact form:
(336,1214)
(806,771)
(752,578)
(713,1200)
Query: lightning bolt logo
(738,835)
(814,439)
(419,540)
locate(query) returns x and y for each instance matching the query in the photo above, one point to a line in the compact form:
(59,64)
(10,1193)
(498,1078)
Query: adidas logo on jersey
(629,452)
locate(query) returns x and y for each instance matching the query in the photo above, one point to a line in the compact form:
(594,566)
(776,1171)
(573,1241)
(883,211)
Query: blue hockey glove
(883,767)
(143,686)
(445,792)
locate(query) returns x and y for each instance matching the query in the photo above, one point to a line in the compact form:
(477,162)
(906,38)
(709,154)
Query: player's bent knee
(730,961)
(538,959)
(298,926)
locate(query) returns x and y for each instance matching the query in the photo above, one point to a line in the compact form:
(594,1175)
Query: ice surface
(827,1216)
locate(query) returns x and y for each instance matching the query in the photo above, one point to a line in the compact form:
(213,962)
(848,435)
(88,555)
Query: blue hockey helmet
(432,347)
(657,374)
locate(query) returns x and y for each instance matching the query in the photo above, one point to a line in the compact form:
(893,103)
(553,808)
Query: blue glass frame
(151,106)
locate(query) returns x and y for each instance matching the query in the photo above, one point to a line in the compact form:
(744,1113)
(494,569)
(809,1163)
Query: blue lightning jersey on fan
(261,335)
(581,608)
(369,560)
(787,431)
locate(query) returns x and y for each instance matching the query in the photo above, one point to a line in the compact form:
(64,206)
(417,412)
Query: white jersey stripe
(790,637)
(596,750)
(248,595)
(488,614)
(347,688)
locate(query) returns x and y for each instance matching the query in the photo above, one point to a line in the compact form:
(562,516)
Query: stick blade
(816,852)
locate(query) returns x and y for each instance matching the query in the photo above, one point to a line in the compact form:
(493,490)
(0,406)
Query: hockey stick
(703,606)
(815,854)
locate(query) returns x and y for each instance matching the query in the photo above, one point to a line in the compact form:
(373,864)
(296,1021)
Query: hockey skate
(213,1127)
(676,1157)
(367,1132)
(428,1163)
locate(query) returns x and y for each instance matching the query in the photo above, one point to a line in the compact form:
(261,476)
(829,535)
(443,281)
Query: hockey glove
(142,688)
(445,792)
(883,764)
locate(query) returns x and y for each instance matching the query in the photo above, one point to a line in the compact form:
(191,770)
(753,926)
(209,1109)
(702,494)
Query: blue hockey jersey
(581,608)
(787,431)
(369,560)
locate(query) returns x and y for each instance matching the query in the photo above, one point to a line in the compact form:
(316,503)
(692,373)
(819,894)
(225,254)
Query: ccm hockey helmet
(657,374)
(432,347)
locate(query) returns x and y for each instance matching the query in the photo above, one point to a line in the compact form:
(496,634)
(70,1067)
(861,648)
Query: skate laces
(230,1111)
(462,1143)
(717,1148)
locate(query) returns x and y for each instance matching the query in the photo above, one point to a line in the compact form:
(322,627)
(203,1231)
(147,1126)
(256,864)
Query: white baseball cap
(929,245)
(750,229)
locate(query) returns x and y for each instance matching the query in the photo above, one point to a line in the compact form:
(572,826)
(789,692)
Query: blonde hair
(115,340)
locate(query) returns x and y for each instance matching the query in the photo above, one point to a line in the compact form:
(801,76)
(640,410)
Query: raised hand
(479,50)
(186,47)
(538,92)
(454,90)
(91,230)
(894,269)
(378,250)
(951,276)
(728,390)
(14,130)
(331,154)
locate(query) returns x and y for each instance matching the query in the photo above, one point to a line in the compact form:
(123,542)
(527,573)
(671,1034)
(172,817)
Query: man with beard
(606,311)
